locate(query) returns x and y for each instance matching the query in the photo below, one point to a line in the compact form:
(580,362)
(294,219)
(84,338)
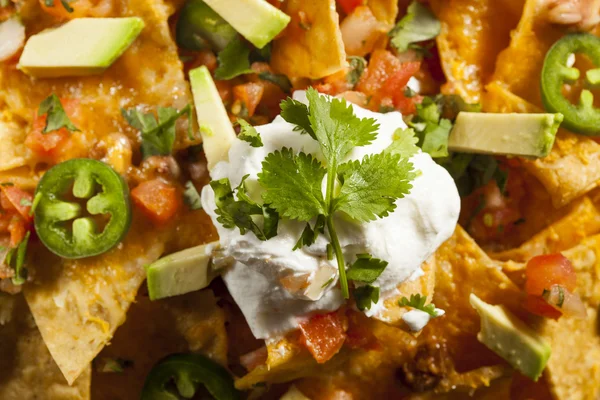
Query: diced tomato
(335,84)
(544,271)
(349,5)
(50,144)
(14,198)
(382,66)
(17,228)
(249,94)
(158,200)
(538,306)
(81,8)
(323,335)
(396,83)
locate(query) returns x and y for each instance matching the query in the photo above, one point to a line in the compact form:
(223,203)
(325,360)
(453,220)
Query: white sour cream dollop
(275,287)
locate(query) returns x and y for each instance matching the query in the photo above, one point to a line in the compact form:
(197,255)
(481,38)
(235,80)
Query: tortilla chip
(13,151)
(384,10)
(473,33)
(154,329)
(311,46)
(573,371)
(583,220)
(27,371)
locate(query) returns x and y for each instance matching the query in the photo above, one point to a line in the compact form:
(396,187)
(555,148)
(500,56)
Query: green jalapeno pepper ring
(188,372)
(582,118)
(53,211)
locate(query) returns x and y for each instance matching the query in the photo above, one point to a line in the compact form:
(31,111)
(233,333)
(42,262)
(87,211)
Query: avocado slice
(215,128)
(293,394)
(199,27)
(257,20)
(511,339)
(527,135)
(182,272)
(82,46)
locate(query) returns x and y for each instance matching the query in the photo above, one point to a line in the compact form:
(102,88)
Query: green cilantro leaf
(191,197)
(451,104)
(157,137)
(419,24)
(372,186)
(65,3)
(357,67)
(278,79)
(56,117)
(336,127)
(405,143)
(418,302)
(296,113)
(232,213)
(366,268)
(15,258)
(309,235)
(365,296)
(234,60)
(432,130)
(293,184)
(472,171)
(249,134)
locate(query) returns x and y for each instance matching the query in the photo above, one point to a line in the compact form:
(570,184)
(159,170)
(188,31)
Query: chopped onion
(568,303)
(12,38)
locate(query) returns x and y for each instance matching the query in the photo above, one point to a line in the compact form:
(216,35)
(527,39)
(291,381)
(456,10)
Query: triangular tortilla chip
(78,305)
(27,371)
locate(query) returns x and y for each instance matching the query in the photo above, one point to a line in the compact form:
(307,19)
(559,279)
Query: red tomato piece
(158,200)
(17,199)
(382,65)
(395,84)
(50,144)
(323,335)
(538,306)
(349,5)
(544,271)
(17,229)
(249,94)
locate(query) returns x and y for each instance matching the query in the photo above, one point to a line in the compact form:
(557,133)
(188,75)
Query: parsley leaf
(15,258)
(336,127)
(405,143)
(249,134)
(309,235)
(419,24)
(357,67)
(366,268)
(365,296)
(191,197)
(372,186)
(240,213)
(278,79)
(65,3)
(418,302)
(293,184)
(157,137)
(234,60)
(56,117)
(296,113)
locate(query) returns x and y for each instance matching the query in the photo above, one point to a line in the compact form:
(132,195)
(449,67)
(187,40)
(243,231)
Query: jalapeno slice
(82,208)
(582,118)
(181,375)
(200,27)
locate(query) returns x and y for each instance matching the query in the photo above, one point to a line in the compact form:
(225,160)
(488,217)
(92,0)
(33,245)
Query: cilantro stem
(335,242)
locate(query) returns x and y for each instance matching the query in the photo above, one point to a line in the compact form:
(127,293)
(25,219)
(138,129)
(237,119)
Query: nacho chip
(12,148)
(27,370)
(473,33)
(311,46)
(154,329)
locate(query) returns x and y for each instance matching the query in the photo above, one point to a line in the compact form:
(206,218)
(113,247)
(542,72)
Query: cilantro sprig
(418,302)
(15,258)
(158,137)
(364,190)
(419,24)
(56,117)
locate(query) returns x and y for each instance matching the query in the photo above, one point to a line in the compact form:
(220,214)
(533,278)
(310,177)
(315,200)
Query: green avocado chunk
(82,46)
(526,135)
(215,127)
(257,20)
(182,272)
(199,27)
(511,339)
